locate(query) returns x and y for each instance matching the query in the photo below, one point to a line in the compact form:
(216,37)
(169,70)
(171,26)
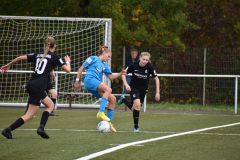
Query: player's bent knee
(137,106)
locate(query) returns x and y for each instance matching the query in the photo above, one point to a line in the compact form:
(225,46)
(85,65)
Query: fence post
(124,60)
(204,78)
(124,64)
(145,104)
(56,86)
(236,95)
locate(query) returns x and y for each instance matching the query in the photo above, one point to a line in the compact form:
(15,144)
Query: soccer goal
(77,37)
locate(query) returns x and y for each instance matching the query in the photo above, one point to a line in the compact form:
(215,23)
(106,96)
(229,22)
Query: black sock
(54,102)
(44,119)
(16,124)
(136,118)
(127,103)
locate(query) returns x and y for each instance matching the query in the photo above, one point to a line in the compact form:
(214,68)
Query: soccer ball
(103,126)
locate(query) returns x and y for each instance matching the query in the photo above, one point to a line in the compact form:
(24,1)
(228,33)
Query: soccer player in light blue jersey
(95,67)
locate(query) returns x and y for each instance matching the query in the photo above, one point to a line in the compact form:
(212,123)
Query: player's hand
(5,68)
(123,72)
(67,58)
(128,88)
(76,86)
(157,96)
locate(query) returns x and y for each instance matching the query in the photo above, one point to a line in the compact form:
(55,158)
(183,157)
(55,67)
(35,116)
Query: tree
(143,23)
(218,23)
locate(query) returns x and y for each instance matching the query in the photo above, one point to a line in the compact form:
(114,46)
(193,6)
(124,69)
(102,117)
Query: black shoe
(6,133)
(42,133)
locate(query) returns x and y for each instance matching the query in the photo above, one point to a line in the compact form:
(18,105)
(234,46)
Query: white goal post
(77,37)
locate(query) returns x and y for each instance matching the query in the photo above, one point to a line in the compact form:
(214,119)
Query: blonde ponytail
(103,49)
(48,41)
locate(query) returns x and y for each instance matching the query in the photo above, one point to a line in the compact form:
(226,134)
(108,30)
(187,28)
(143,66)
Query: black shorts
(138,94)
(50,86)
(36,89)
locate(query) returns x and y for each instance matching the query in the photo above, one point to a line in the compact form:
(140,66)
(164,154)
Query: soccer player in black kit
(36,87)
(50,89)
(141,71)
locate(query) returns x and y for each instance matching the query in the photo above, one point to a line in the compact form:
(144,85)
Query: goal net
(77,37)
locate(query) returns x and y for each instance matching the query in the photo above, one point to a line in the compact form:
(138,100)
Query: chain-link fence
(214,61)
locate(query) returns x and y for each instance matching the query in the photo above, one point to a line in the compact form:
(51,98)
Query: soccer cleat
(112,127)
(101,115)
(6,133)
(136,130)
(119,102)
(42,133)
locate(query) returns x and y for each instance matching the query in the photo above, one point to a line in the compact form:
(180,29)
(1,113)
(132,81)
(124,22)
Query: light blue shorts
(91,85)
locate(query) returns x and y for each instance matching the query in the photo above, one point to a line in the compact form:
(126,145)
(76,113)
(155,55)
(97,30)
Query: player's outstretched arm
(77,82)
(116,75)
(6,67)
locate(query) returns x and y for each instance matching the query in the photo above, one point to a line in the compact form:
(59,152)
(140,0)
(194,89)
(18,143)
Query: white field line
(92,130)
(151,132)
(109,150)
(193,114)
(139,145)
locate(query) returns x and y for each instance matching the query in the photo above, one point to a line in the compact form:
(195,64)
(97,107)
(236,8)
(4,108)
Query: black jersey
(140,75)
(44,65)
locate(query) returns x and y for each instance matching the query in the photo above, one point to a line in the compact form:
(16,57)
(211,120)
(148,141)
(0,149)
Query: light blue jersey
(95,70)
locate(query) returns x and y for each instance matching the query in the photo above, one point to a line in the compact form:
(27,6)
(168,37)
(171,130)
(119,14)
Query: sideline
(109,150)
